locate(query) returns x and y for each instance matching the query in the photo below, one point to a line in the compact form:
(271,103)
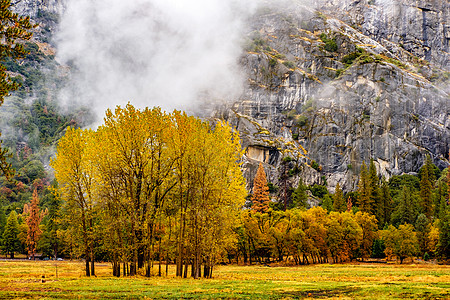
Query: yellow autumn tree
(146,180)
(75,173)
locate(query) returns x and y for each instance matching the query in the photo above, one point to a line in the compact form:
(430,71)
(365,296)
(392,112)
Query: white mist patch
(151,52)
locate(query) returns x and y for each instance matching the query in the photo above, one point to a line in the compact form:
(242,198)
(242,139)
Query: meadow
(23,279)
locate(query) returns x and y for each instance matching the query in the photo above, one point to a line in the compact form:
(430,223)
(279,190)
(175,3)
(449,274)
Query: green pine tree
(299,196)
(444,233)
(365,199)
(2,220)
(426,201)
(339,203)
(386,198)
(11,242)
(422,230)
(327,203)
(375,197)
(404,212)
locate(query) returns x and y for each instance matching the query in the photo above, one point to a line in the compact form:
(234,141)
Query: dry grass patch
(23,279)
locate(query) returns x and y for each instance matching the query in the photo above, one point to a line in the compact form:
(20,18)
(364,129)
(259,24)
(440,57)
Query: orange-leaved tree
(260,197)
(34,219)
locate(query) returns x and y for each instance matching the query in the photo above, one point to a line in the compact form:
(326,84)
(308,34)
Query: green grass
(23,279)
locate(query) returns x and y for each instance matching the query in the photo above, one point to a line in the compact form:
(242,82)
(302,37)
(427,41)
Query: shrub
(289,64)
(287,159)
(301,121)
(272,62)
(315,165)
(350,58)
(318,190)
(330,44)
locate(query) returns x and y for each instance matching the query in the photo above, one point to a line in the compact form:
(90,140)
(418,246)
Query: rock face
(335,84)
(420,27)
(32,7)
(333,87)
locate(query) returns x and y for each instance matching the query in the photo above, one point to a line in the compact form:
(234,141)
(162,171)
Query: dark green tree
(404,212)
(387,204)
(375,197)
(11,242)
(422,230)
(299,196)
(2,221)
(426,201)
(365,199)
(339,203)
(327,203)
(444,233)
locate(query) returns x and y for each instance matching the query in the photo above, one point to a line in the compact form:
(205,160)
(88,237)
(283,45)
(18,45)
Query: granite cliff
(334,86)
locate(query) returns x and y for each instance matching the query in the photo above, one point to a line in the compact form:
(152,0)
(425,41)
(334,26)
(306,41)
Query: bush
(350,58)
(319,190)
(287,159)
(315,165)
(289,64)
(272,62)
(330,44)
(301,121)
(378,249)
(272,187)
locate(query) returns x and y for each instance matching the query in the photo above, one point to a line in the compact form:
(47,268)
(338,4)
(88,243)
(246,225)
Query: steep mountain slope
(334,83)
(350,81)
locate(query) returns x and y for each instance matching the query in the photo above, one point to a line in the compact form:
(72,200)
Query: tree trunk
(88,273)
(186,265)
(92,263)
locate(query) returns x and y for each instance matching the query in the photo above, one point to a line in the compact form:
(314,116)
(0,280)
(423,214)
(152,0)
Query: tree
(423,229)
(404,212)
(375,198)
(365,199)
(368,224)
(327,203)
(426,202)
(33,220)
(2,221)
(401,242)
(11,242)
(13,30)
(260,196)
(299,196)
(444,233)
(386,199)
(74,170)
(149,185)
(344,236)
(339,203)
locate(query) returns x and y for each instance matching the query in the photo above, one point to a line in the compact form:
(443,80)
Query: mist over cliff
(165,53)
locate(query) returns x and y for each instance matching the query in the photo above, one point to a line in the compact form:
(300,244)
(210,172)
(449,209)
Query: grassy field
(24,279)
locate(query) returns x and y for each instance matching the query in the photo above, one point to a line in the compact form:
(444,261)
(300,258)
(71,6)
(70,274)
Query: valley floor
(20,279)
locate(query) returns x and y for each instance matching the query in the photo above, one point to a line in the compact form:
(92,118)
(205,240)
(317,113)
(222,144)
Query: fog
(168,53)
